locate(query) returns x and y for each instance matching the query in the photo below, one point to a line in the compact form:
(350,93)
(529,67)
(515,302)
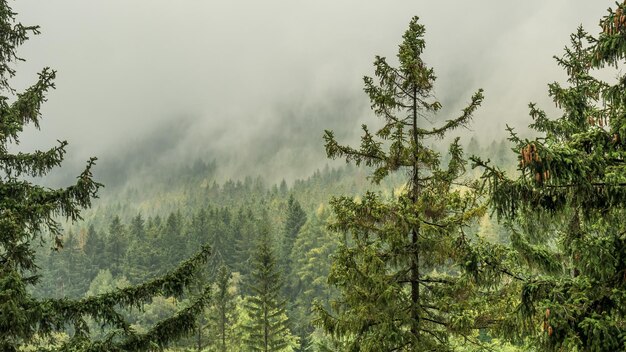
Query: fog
(253,84)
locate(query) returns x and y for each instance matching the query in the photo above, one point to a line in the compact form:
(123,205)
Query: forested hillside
(143,233)
(430,237)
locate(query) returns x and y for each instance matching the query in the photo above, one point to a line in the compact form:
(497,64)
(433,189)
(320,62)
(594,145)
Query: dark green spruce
(223,310)
(28,216)
(268,330)
(565,207)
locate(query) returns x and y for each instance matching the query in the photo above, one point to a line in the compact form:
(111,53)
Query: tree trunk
(415,274)
(223,323)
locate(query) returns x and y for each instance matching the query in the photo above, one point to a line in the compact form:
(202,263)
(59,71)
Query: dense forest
(422,241)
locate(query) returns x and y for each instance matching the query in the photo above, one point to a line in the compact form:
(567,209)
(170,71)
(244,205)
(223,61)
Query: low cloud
(253,84)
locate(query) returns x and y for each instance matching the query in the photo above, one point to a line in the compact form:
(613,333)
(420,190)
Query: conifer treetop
(578,159)
(402,96)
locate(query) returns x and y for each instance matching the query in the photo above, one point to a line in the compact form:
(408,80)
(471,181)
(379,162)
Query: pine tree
(565,210)
(221,234)
(27,215)
(139,257)
(268,330)
(283,188)
(204,278)
(408,275)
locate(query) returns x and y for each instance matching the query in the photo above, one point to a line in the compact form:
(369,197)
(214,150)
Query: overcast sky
(230,78)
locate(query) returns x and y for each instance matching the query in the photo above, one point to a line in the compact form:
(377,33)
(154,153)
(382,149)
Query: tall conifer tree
(268,330)
(116,245)
(311,255)
(565,210)
(223,310)
(296,217)
(408,275)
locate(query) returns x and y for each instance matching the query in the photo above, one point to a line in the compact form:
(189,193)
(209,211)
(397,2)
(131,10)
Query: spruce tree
(310,255)
(565,208)
(296,217)
(221,234)
(74,262)
(408,274)
(93,248)
(116,245)
(268,330)
(200,230)
(243,243)
(172,239)
(137,230)
(28,216)
(223,309)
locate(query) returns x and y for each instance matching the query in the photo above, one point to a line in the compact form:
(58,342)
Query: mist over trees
(425,240)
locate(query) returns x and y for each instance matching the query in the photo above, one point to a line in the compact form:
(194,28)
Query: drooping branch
(460,121)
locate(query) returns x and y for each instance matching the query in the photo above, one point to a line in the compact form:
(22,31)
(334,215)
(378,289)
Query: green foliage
(104,282)
(296,217)
(115,245)
(228,229)
(565,210)
(29,212)
(268,330)
(223,312)
(311,255)
(408,274)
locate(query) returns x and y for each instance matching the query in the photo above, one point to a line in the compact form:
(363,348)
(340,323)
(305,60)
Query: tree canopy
(565,208)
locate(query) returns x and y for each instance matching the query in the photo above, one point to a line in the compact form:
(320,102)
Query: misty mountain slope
(283,141)
(159,183)
(138,231)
